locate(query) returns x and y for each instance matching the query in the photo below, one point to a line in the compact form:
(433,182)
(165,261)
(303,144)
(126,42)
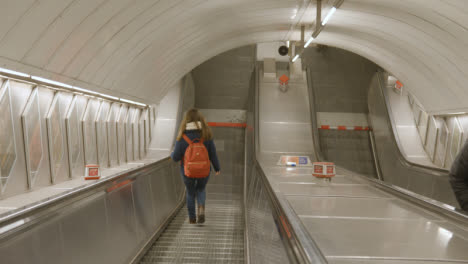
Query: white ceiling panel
(140,48)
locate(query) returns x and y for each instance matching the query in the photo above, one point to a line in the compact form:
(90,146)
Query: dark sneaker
(201,214)
(192,221)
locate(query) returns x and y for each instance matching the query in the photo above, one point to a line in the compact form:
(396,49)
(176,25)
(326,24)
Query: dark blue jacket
(181,145)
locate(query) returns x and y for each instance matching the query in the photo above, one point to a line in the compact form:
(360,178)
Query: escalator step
(219,240)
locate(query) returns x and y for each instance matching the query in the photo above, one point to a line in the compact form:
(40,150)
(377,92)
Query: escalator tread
(219,240)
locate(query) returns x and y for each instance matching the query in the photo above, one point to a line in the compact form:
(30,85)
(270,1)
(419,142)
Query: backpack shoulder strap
(187,139)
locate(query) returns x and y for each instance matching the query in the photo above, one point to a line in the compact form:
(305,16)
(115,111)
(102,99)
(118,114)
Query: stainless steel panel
(163,192)
(40,245)
(129,134)
(84,227)
(344,260)
(136,134)
(89,131)
(121,143)
(387,238)
(121,223)
(74,135)
(101,132)
(144,207)
(32,132)
(329,207)
(99,218)
(111,124)
(345,190)
(56,136)
(265,244)
(7,136)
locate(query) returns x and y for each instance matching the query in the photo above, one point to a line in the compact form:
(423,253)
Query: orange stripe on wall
(221,124)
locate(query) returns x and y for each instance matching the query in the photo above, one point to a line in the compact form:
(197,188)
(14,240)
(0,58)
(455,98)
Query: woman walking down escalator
(196,152)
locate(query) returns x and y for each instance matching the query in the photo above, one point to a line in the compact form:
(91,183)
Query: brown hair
(193,115)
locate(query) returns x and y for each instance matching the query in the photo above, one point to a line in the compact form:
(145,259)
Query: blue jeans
(195,188)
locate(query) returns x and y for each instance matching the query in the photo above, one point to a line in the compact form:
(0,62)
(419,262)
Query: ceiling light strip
(67,86)
(7,71)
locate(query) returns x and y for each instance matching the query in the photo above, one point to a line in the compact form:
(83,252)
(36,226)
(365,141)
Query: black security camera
(283,50)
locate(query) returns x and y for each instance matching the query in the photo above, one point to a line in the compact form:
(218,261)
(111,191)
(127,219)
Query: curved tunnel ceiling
(139,48)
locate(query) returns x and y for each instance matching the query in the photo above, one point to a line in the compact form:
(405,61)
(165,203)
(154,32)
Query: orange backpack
(196,159)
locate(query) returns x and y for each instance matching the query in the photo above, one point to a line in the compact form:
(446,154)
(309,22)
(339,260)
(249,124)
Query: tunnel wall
(223,81)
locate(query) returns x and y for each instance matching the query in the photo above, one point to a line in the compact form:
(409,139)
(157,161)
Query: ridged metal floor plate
(219,240)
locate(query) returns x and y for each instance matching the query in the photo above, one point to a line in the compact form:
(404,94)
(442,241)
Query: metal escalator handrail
(302,247)
(102,184)
(427,169)
(313,117)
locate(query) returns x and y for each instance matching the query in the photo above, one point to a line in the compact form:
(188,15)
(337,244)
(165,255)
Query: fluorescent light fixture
(131,102)
(108,96)
(308,42)
(14,72)
(332,11)
(83,90)
(295,58)
(51,82)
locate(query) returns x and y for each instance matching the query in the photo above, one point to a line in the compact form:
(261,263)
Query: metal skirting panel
(108,225)
(265,243)
(348,149)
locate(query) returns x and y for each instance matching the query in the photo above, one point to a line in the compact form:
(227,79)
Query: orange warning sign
(92,172)
(324,169)
(284,79)
(398,85)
